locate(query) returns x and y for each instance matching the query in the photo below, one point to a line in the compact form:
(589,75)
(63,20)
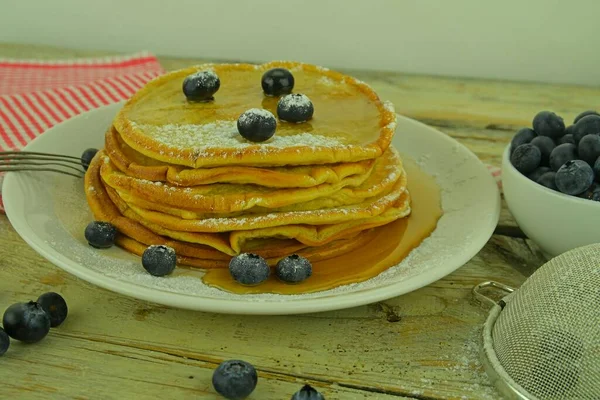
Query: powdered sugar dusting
(206,77)
(389,106)
(254,114)
(224,134)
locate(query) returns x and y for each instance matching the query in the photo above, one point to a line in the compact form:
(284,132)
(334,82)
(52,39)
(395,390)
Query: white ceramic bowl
(555,221)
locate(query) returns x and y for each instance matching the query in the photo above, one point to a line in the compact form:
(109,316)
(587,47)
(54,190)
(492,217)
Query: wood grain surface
(423,345)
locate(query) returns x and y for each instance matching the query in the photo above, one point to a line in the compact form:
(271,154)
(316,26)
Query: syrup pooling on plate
(382,248)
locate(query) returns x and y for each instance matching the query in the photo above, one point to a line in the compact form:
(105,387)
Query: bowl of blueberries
(551,181)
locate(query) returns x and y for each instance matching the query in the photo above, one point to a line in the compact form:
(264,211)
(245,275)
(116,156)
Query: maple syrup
(384,246)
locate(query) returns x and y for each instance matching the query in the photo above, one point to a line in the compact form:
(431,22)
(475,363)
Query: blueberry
(561,154)
(568,138)
(585,114)
(539,171)
(295,108)
(589,148)
(593,193)
(249,269)
(277,81)
(596,194)
(546,145)
(201,86)
(586,126)
(159,260)
(548,179)
(87,156)
(257,125)
(55,306)
(574,177)
(526,158)
(100,235)
(293,269)
(597,169)
(307,393)
(27,322)
(234,379)
(547,123)
(4,342)
(523,136)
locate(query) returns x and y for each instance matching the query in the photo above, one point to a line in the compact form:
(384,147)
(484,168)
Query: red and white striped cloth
(36,95)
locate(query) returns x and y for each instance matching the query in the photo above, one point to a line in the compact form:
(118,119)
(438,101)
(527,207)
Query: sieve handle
(486,300)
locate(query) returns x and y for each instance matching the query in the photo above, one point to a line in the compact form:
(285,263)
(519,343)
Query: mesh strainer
(542,341)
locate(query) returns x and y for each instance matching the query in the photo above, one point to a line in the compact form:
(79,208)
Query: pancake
(350,122)
(137,165)
(223,200)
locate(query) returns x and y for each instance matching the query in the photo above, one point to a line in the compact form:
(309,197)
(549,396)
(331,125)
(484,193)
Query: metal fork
(13,161)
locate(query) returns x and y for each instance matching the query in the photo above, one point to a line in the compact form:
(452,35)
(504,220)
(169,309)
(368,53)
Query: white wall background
(540,40)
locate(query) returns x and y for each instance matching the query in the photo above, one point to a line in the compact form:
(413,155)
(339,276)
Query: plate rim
(236,306)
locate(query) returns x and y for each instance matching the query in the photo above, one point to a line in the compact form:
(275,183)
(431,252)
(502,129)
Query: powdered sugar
(207,78)
(254,114)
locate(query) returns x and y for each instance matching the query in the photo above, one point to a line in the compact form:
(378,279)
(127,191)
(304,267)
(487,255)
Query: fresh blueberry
(277,81)
(597,169)
(526,158)
(561,154)
(568,138)
(307,393)
(234,379)
(26,322)
(596,194)
(55,306)
(539,171)
(257,125)
(585,114)
(4,342)
(575,177)
(100,235)
(201,86)
(588,125)
(159,260)
(523,136)
(87,156)
(548,179)
(249,269)
(293,269)
(593,193)
(546,145)
(295,108)
(547,123)
(589,148)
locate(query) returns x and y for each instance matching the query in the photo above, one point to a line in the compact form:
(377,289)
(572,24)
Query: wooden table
(423,345)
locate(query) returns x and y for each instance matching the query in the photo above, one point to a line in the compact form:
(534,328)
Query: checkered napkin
(36,95)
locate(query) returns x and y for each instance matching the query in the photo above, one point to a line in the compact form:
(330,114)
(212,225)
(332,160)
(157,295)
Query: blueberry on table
(546,145)
(526,158)
(201,86)
(4,342)
(100,234)
(55,306)
(87,156)
(523,136)
(588,125)
(249,269)
(561,154)
(575,177)
(539,171)
(585,114)
(547,123)
(26,322)
(589,148)
(307,393)
(548,180)
(295,107)
(277,81)
(234,379)
(568,138)
(159,260)
(293,269)
(257,125)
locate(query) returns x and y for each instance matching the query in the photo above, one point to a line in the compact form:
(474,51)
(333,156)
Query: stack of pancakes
(178,173)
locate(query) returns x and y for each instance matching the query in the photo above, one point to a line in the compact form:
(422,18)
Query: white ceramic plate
(50,213)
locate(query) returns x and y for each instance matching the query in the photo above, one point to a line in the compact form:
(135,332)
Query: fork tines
(13,161)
